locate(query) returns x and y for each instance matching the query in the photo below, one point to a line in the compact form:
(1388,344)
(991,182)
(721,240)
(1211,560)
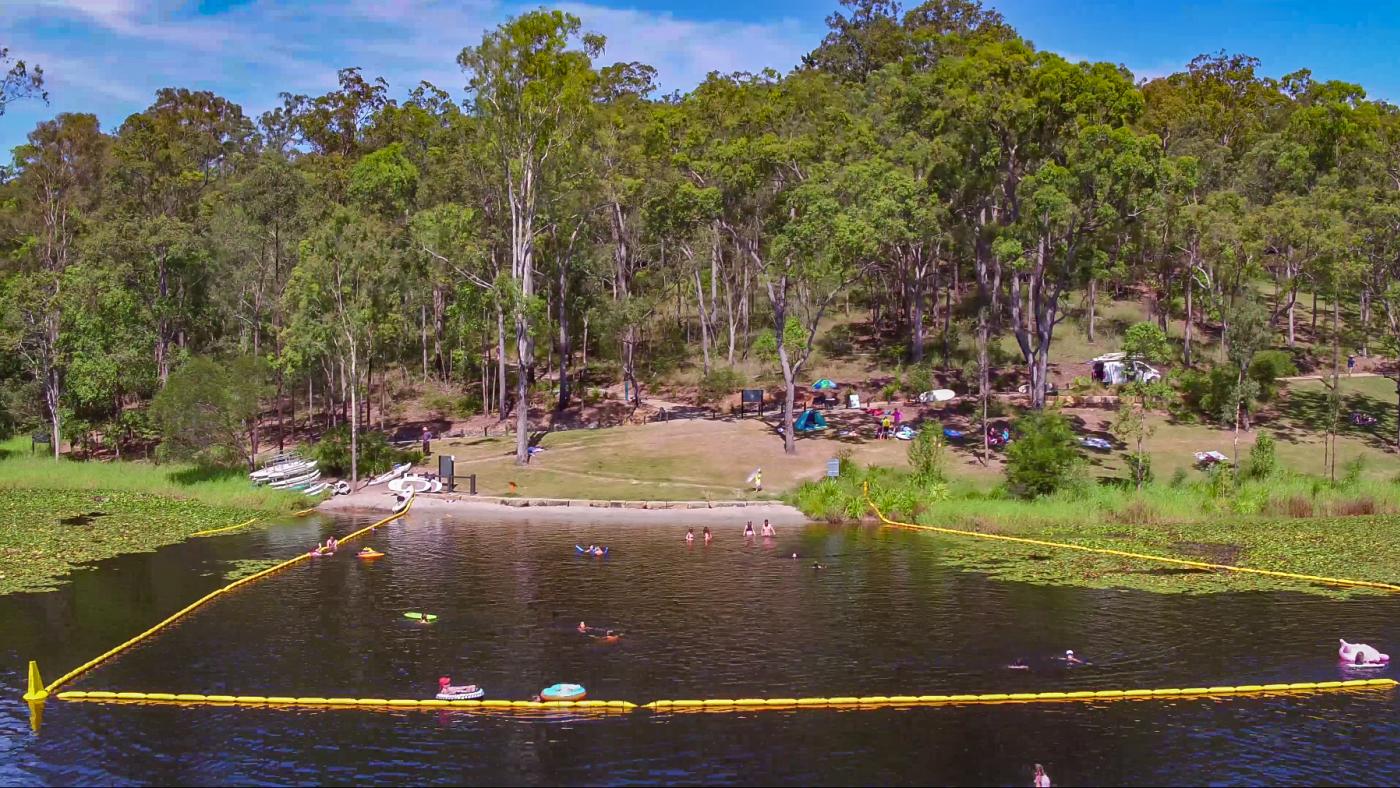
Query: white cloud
(116,53)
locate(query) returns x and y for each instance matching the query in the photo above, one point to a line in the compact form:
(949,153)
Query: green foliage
(765,346)
(1044,456)
(1267,367)
(207,410)
(376,454)
(928,457)
(1146,341)
(1263,458)
(720,383)
(920,379)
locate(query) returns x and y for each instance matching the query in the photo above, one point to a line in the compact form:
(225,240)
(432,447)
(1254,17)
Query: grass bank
(1291,523)
(55,515)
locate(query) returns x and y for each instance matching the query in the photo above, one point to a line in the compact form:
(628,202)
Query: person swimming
(816,565)
(582,627)
(768,529)
(794,556)
(690,534)
(748,530)
(1070,659)
(709,537)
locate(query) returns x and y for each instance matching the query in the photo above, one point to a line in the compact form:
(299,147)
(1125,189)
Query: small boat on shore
(282,467)
(391,474)
(317,488)
(297,482)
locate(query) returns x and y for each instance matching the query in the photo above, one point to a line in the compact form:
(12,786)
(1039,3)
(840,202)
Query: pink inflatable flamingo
(1361,654)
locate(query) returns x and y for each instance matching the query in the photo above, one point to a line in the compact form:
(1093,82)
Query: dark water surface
(885,617)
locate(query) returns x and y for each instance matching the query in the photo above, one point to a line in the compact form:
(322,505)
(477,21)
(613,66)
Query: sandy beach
(381,500)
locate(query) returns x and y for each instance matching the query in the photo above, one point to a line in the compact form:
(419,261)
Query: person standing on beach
(427,441)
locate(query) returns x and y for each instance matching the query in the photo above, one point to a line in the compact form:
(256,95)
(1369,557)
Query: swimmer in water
(748,530)
(816,565)
(1042,780)
(709,537)
(582,627)
(794,556)
(768,530)
(1019,664)
(1070,659)
(690,534)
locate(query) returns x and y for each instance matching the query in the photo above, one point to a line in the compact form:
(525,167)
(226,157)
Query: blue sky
(109,56)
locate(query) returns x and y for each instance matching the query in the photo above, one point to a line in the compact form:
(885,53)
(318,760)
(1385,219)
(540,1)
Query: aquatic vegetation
(44,534)
(1248,526)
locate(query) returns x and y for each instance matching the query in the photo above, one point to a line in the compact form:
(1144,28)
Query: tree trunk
(501,361)
(916,314)
(704,323)
(354,420)
(1093,298)
(566,349)
(1186,328)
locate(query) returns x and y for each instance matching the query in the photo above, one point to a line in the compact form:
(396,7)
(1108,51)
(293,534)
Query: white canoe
(391,474)
(296,482)
(282,470)
(937,395)
(317,488)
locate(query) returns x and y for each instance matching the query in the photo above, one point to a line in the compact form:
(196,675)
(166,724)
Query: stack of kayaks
(287,473)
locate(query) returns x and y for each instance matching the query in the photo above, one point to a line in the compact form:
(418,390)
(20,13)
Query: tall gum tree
(61,169)
(530,92)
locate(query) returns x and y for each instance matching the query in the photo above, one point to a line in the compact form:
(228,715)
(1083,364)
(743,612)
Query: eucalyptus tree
(530,92)
(19,81)
(60,176)
(166,160)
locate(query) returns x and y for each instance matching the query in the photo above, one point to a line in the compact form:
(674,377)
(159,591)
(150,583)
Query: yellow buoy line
(245,523)
(212,531)
(37,693)
(726,704)
(1336,581)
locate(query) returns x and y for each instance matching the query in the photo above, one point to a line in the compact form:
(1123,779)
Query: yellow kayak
(368,553)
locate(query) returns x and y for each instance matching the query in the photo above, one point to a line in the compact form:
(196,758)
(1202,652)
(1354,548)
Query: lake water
(884,617)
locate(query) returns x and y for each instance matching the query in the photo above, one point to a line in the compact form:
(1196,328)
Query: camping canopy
(824,383)
(808,421)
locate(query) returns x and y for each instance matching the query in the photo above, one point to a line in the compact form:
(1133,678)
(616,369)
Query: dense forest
(929,165)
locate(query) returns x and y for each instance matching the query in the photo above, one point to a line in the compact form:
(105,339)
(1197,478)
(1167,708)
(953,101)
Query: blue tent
(952,434)
(823,384)
(809,420)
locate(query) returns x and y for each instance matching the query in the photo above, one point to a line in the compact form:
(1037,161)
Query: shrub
(720,383)
(207,408)
(1268,366)
(1178,478)
(1146,341)
(765,346)
(1351,472)
(332,452)
(927,457)
(920,379)
(1044,456)
(1263,458)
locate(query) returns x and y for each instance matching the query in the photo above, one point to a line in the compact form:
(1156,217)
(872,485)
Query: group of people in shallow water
(768,532)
